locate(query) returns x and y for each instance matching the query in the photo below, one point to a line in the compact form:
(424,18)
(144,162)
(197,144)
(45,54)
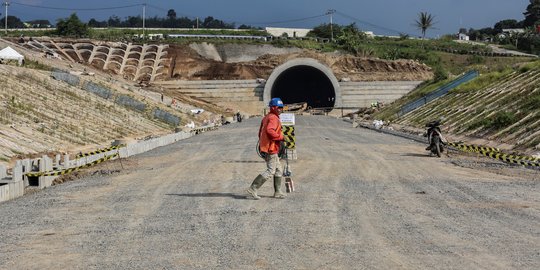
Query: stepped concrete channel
(298,80)
(132,61)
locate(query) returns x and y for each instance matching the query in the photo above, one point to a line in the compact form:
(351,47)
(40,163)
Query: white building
(290,32)
(511,32)
(462,36)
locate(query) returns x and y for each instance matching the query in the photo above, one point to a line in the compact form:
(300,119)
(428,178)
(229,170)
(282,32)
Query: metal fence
(443,90)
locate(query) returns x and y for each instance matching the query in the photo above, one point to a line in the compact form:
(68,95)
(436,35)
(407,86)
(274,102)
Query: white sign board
(287,119)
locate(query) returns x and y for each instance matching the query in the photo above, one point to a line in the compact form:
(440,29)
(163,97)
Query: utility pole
(331,12)
(144,20)
(6,4)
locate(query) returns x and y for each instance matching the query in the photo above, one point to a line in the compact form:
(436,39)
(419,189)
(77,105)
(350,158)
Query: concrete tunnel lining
(310,65)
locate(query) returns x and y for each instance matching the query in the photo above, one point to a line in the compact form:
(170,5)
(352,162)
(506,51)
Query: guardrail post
(14,187)
(2,171)
(57,159)
(45,164)
(18,172)
(26,166)
(41,164)
(66,161)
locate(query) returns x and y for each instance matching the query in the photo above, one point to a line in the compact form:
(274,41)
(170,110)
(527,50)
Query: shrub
(439,74)
(480,123)
(498,121)
(482,81)
(530,66)
(503,119)
(476,59)
(532,103)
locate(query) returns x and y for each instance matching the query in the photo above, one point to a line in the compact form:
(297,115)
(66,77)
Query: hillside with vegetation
(501,108)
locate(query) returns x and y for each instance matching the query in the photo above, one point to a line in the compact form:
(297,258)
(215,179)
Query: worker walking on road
(270,137)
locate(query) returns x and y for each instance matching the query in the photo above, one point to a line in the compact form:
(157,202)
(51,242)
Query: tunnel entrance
(304,80)
(304,84)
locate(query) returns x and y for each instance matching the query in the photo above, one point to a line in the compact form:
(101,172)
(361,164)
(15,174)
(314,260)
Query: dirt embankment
(187,64)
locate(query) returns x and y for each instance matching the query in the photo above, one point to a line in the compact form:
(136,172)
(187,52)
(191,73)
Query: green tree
(97,24)
(323,31)
(505,24)
(210,22)
(532,15)
(132,21)
(71,27)
(424,22)
(171,14)
(12,22)
(351,39)
(114,21)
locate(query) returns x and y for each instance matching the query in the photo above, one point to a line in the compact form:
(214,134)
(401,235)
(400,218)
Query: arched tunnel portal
(304,80)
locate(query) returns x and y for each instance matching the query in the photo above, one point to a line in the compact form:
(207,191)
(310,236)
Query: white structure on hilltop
(462,36)
(298,32)
(511,32)
(289,32)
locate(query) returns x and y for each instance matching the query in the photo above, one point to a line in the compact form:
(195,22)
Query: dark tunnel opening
(304,84)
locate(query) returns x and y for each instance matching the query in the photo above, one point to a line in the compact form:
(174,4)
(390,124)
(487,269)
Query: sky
(383,17)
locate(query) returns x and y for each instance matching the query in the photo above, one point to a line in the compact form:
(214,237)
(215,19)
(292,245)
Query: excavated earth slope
(188,64)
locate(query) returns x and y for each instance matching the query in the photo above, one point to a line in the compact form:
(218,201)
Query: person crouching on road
(270,137)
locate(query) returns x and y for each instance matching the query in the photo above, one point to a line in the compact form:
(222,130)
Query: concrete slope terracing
(505,113)
(40,114)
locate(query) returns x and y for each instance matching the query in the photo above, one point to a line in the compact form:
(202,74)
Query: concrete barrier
(10,190)
(13,186)
(3,171)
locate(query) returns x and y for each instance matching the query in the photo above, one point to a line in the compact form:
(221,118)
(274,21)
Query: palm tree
(424,22)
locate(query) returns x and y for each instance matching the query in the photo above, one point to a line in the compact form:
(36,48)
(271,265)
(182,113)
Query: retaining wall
(250,92)
(247,95)
(362,94)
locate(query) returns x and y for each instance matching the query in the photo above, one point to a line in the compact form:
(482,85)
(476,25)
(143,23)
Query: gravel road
(363,200)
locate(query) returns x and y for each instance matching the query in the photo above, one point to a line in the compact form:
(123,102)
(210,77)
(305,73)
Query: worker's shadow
(211,195)
(414,155)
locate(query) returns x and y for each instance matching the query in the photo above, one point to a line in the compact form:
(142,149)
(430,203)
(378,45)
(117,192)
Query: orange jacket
(270,134)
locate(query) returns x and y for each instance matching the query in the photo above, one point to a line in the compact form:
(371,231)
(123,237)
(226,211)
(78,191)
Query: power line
(76,9)
(287,21)
(167,10)
(371,24)
(252,23)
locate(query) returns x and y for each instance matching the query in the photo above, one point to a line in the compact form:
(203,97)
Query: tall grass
(482,81)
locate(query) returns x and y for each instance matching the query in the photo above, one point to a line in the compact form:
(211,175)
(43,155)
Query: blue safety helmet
(276,102)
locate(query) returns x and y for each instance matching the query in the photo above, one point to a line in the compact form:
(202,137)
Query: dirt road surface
(363,200)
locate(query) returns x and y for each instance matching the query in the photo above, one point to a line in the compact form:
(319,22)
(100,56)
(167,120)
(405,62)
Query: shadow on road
(415,155)
(211,195)
(243,161)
